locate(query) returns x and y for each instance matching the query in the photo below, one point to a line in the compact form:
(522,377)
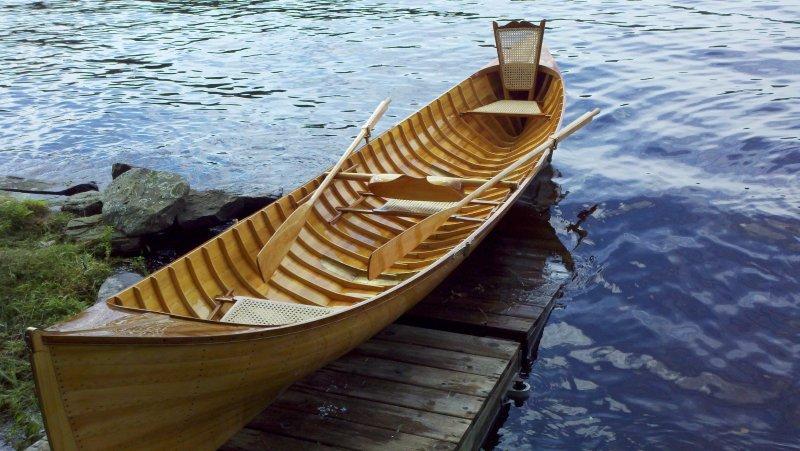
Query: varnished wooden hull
(146,371)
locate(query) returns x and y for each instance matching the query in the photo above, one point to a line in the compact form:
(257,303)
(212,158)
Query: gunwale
(185,330)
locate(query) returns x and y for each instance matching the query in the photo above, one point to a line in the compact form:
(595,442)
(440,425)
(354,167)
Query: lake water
(680,327)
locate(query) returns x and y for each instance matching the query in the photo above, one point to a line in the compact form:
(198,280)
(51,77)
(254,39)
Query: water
(680,326)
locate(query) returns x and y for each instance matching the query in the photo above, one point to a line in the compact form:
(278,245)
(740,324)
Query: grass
(43,279)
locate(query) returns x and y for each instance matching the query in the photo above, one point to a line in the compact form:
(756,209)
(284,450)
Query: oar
(396,248)
(271,255)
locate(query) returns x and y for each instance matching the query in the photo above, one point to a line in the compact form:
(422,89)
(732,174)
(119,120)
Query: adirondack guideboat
(187,356)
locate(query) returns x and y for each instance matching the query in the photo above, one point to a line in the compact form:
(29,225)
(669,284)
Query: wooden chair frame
(537,52)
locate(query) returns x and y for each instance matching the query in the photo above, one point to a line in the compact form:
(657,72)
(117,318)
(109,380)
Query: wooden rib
(499,149)
(298,293)
(400,142)
(312,281)
(173,275)
(243,249)
(335,247)
(489,148)
(137,295)
(252,228)
(224,288)
(234,269)
(414,145)
(399,157)
(159,296)
(312,262)
(472,152)
(197,282)
(431,143)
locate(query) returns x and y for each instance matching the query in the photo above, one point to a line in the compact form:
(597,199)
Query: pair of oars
(278,245)
(396,248)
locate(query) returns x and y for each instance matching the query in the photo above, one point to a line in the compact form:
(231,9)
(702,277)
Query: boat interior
(419,166)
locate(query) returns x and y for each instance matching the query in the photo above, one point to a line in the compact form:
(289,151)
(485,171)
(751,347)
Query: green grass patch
(43,279)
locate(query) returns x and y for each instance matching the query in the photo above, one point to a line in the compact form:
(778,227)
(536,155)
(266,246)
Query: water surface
(680,326)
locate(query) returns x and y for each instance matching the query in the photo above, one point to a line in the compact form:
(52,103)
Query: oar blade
(271,255)
(402,244)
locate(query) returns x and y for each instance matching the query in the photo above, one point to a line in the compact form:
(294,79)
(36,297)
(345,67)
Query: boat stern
(47,391)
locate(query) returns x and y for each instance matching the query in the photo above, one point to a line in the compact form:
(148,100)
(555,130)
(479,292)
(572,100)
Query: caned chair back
(519,45)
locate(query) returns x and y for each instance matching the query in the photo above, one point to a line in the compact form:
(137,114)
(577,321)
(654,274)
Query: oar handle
(376,115)
(365,130)
(575,125)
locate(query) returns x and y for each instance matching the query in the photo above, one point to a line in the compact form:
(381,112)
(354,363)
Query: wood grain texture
(269,258)
(335,405)
(399,246)
(147,370)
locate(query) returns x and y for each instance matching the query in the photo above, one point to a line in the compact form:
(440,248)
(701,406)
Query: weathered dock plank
(506,288)
(407,388)
(437,378)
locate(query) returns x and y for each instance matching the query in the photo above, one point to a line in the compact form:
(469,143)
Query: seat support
(410,214)
(465,182)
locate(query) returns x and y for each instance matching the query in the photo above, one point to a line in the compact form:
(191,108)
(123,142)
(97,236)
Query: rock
(41,445)
(84,204)
(142,201)
(205,209)
(116,283)
(92,230)
(118,169)
(122,244)
(250,203)
(13,182)
(89,229)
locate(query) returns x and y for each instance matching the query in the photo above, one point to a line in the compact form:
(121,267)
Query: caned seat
(425,207)
(519,46)
(511,108)
(263,312)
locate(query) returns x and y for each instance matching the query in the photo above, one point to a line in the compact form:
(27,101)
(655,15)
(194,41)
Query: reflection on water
(680,325)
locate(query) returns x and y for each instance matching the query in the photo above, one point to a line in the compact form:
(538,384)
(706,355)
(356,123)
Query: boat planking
(157,367)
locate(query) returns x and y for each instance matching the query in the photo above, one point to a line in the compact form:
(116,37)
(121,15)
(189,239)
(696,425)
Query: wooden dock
(437,378)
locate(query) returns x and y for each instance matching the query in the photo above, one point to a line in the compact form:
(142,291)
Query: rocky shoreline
(143,206)
(143,212)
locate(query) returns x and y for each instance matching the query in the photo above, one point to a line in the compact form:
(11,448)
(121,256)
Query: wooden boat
(162,364)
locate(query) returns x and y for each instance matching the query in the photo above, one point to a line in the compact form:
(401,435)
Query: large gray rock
(91,230)
(41,445)
(116,283)
(208,208)
(118,169)
(84,204)
(252,202)
(142,201)
(203,209)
